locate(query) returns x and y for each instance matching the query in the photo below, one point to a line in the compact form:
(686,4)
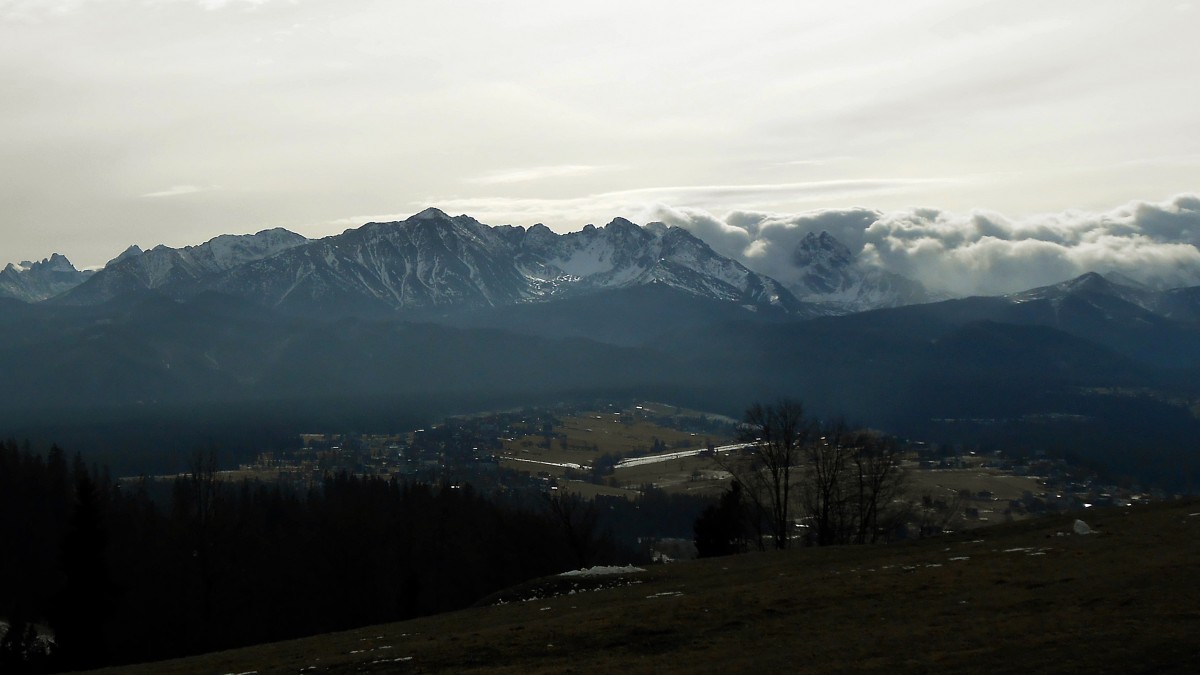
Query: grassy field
(946,483)
(581,439)
(942,482)
(1015,598)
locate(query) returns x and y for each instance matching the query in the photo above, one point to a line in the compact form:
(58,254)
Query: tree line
(801,480)
(119,577)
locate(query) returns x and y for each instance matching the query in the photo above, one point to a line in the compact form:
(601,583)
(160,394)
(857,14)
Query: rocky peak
(624,231)
(430,213)
(822,249)
(657,228)
(36,281)
(131,252)
(1090,282)
(58,262)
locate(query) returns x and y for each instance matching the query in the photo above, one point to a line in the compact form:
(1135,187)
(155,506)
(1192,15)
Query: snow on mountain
(433,260)
(828,274)
(1094,286)
(36,281)
(1112,294)
(622,254)
(429,260)
(163,267)
(131,252)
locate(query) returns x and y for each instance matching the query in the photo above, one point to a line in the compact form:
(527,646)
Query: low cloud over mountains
(976,253)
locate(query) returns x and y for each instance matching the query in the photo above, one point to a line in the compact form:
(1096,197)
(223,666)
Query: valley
(619,450)
(436,396)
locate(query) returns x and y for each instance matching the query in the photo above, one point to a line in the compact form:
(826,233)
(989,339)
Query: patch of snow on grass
(563,465)
(668,456)
(601,570)
(402,659)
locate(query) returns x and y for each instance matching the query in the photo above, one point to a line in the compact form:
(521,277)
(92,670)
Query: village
(618,450)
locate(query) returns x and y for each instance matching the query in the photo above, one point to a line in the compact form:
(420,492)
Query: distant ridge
(432,261)
(36,281)
(163,268)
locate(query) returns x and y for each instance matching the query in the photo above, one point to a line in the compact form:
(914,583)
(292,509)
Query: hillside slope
(1013,598)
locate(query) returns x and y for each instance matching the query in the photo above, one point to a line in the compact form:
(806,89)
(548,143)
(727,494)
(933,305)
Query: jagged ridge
(432,260)
(36,281)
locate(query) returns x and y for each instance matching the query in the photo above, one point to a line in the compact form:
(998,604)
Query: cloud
(178,190)
(823,161)
(647,204)
(975,253)
(986,253)
(766,242)
(535,173)
(37,9)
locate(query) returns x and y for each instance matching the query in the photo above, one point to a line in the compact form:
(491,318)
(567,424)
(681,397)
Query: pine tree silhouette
(87,591)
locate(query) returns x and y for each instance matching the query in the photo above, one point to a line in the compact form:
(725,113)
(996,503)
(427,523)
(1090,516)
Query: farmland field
(573,446)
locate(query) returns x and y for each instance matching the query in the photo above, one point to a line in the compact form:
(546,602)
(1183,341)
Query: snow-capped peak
(623,254)
(430,213)
(826,272)
(163,266)
(36,281)
(824,250)
(657,228)
(133,251)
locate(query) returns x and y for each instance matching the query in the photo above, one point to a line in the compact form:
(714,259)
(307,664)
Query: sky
(173,121)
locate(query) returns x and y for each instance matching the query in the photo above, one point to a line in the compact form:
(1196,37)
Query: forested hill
(118,577)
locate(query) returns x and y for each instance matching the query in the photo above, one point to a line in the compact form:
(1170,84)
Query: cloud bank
(976,253)
(178,190)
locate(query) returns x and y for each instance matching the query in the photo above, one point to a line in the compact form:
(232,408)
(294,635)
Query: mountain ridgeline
(429,262)
(35,281)
(247,340)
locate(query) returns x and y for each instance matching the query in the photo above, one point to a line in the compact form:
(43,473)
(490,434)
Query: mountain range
(432,261)
(36,281)
(437,314)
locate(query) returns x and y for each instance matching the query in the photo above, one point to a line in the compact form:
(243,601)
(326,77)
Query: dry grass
(945,482)
(591,434)
(1011,598)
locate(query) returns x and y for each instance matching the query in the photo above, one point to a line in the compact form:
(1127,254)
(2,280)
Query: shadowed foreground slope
(1012,598)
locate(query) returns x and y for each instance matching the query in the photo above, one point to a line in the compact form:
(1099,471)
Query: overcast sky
(173,121)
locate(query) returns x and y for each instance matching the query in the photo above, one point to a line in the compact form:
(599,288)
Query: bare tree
(839,480)
(779,433)
(825,492)
(876,466)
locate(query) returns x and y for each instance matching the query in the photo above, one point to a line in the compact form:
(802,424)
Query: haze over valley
(455,314)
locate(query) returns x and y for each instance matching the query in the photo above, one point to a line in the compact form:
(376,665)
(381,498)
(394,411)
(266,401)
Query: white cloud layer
(974,253)
(178,190)
(536,173)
